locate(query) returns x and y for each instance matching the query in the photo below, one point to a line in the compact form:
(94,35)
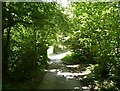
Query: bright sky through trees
(65,3)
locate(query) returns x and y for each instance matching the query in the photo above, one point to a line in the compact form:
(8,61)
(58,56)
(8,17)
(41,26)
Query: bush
(73,59)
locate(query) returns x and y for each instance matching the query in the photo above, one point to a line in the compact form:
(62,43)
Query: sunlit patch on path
(60,76)
(58,56)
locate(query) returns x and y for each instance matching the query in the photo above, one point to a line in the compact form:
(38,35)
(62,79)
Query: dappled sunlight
(65,71)
(71,74)
(85,87)
(54,70)
(72,66)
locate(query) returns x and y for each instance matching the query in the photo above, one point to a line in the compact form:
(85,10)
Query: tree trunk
(6,49)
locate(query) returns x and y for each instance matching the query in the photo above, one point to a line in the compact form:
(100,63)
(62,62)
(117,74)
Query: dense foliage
(28,31)
(95,39)
(90,30)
